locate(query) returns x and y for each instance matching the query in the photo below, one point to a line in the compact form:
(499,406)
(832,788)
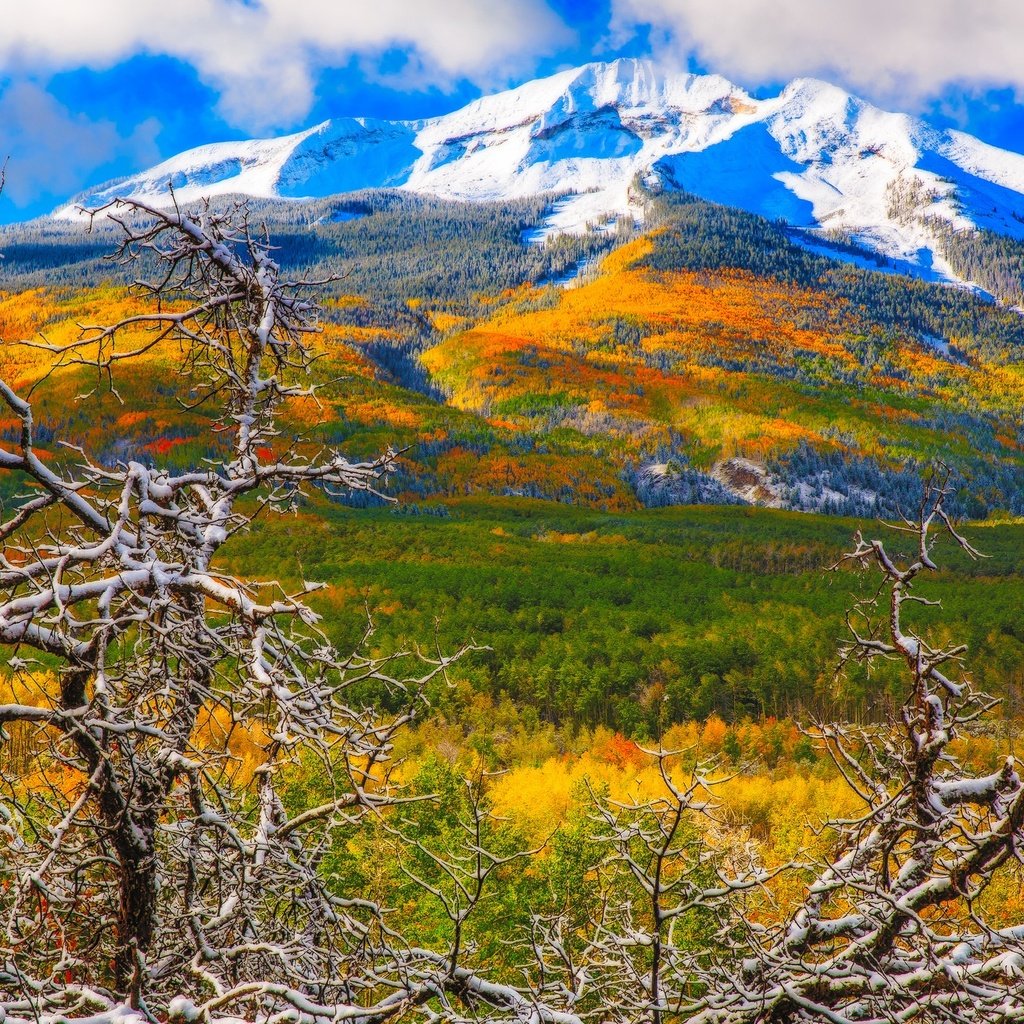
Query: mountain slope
(709,355)
(813,155)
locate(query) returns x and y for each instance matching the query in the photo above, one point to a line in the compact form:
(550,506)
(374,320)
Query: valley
(557,561)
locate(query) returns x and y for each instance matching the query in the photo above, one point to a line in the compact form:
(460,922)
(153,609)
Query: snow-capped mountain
(813,155)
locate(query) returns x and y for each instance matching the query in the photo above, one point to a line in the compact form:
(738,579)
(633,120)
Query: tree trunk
(136,917)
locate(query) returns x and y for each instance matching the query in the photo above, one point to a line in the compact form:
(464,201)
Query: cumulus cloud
(891,50)
(264,55)
(51,150)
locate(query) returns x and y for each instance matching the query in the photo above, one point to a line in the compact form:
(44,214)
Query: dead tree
(894,928)
(143,874)
(670,885)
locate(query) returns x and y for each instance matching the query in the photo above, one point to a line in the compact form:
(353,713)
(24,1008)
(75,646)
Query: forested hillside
(712,360)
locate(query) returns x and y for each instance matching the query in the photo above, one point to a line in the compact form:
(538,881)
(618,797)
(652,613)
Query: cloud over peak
(900,52)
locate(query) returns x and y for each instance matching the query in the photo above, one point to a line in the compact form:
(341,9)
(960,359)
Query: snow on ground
(579,273)
(923,265)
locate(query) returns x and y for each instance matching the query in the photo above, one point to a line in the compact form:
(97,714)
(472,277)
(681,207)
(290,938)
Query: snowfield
(814,155)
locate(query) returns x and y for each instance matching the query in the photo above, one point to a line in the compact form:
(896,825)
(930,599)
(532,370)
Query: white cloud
(890,50)
(50,150)
(264,55)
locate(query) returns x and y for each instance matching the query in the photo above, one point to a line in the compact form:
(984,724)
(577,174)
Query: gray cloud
(51,150)
(891,50)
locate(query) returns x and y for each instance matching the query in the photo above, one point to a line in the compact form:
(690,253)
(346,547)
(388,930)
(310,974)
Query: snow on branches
(894,927)
(138,872)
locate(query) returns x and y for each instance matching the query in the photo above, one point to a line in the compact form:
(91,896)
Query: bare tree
(670,885)
(146,874)
(679,887)
(894,928)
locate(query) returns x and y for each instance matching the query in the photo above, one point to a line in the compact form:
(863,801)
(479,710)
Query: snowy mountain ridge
(814,155)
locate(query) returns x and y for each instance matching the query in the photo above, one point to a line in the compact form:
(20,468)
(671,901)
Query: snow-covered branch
(149,873)
(893,928)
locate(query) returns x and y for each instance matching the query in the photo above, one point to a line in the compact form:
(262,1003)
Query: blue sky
(91,91)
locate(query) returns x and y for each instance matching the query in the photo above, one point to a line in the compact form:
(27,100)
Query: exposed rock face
(749,481)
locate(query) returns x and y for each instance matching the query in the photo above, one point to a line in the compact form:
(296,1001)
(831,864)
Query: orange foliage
(713,734)
(574,347)
(381,411)
(164,444)
(445,322)
(593,480)
(619,751)
(635,351)
(361,335)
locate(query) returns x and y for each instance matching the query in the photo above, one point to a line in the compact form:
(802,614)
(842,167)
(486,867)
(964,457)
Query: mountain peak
(815,155)
(814,89)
